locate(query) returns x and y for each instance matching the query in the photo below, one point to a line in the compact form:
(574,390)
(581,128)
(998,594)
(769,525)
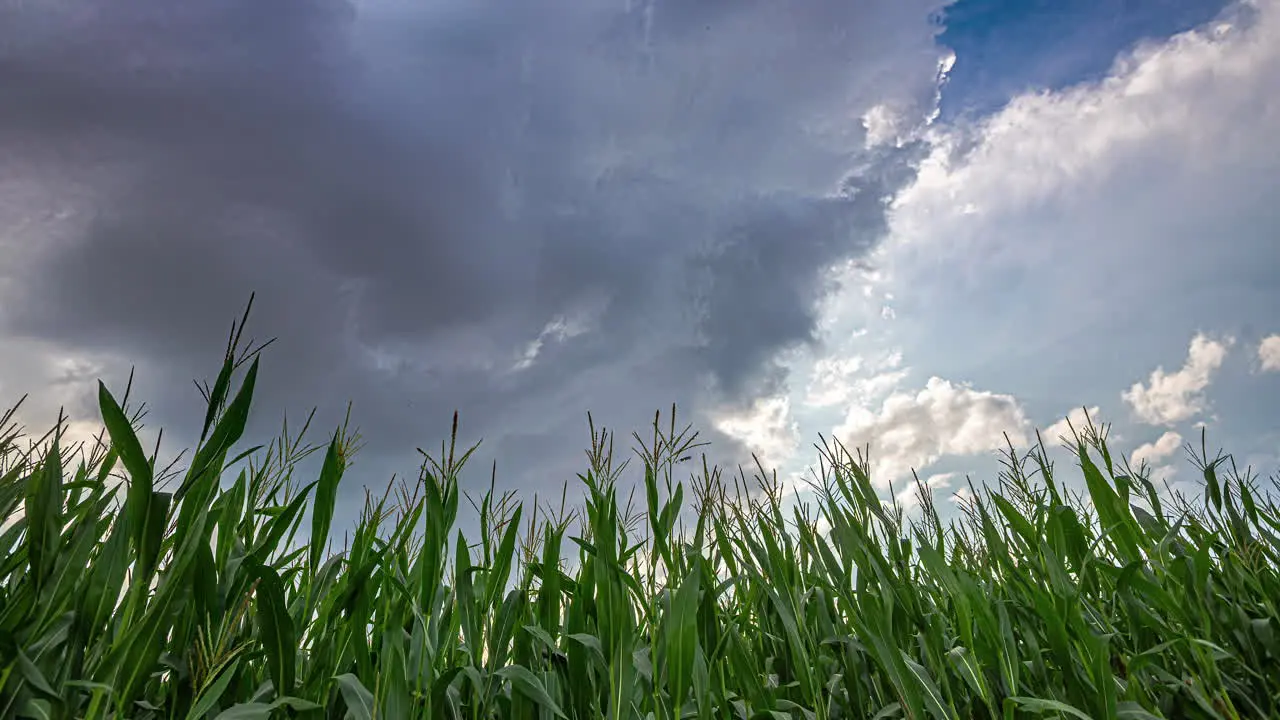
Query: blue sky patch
(1007,47)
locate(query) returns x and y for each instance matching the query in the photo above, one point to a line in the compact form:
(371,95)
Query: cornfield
(219,595)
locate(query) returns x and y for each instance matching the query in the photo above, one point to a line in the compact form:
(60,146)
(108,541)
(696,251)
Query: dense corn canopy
(218,596)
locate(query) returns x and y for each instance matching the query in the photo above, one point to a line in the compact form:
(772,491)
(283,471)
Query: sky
(923,225)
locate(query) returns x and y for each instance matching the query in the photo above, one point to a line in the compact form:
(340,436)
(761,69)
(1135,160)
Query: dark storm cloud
(765,283)
(416,191)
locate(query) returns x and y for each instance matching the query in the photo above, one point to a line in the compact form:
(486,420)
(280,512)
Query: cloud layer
(1062,247)
(422,194)
(530,214)
(1104,214)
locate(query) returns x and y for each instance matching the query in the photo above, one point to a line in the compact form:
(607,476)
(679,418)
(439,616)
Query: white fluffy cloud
(1065,430)
(909,497)
(767,429)
(1154,453)
(1072,145)
(915,431)
(1050,246)
(1169,398)
(1269,354)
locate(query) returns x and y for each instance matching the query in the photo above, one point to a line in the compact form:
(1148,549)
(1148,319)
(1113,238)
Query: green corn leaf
(357,697)
(1041,706)
(44,516)
(275,628)
(528,685)
(207,700)
(326,496)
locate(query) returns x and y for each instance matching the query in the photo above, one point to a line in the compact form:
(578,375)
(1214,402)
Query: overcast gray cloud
(419,191)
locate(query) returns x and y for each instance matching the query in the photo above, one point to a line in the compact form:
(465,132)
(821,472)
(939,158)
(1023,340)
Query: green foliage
(720,600)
